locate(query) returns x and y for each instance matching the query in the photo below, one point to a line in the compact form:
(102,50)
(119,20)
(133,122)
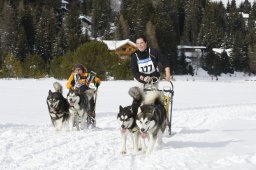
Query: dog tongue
(144,135)
(123,130)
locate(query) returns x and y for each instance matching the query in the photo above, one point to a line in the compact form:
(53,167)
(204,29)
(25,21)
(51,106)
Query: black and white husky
(151,118)
(127,120)
(58,107)
(78,107)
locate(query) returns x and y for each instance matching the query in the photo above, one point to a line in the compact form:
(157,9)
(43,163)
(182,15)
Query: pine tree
(60,44)
(12,67)
(8,28)
(122,31)
(101,18)
(72,28)
(45,33)
(33,66)
(212,28)
(239,54)
(164,20)
(226,65)
(245,7)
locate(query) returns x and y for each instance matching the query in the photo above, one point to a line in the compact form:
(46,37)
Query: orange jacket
(82,80)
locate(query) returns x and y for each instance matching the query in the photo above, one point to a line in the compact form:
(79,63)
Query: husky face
(145,119)
(53,100)
(125,117)
(73,98)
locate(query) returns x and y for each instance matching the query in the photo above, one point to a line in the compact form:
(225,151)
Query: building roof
(64,2)
(220,50)
(244,15)
(190,47)
(85,18)
(114,44)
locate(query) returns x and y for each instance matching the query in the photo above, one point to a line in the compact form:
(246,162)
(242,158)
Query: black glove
(97,84)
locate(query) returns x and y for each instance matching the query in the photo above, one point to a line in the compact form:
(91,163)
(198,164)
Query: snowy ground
(214,125)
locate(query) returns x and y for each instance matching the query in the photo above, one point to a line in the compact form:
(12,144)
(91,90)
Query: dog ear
(120,107)
(50,92)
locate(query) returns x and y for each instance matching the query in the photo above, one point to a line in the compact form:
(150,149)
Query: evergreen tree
(212,28)
(101,18)
(12,67)
(60,44)
(122,31)
(8,28)
(165,30)
(72,28)
(45,33)
(225,63)
(239,54)
(245,7)
(33,66)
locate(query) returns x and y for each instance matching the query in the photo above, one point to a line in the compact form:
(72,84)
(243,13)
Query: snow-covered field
(214,126)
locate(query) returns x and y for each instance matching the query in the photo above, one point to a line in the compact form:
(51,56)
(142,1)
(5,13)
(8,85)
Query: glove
(147,79)
(97,85)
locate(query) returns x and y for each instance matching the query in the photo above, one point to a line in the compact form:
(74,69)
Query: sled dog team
(145,118)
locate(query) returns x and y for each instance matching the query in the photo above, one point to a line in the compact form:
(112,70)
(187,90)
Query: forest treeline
(40,38)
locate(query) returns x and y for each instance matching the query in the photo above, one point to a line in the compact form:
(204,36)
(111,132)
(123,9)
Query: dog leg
(143,144)
(160,138)
(71,122)
(84,123)
(76,121)
(58,124)
(123,142)
(136,141)
(152,141)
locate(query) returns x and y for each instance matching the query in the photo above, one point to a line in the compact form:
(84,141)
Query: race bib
(146,66)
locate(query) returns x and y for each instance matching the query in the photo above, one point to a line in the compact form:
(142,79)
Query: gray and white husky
(58,107)
(151,118)
(78,108)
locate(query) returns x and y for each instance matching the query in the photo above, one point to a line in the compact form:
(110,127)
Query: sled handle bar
(164,90)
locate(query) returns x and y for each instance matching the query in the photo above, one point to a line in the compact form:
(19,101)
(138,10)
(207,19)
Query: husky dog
(127,120)
(79,107)
(58,107)
(151,117)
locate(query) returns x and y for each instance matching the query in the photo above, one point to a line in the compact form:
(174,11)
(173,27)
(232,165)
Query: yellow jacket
(83,80)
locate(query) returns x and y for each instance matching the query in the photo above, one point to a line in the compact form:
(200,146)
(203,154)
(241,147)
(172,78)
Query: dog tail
(58,87)
(153,97)
(136,93)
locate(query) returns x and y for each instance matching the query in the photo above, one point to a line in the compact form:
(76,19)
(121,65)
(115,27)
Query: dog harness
(145,66)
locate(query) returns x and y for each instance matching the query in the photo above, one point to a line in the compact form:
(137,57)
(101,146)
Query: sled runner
(168,98)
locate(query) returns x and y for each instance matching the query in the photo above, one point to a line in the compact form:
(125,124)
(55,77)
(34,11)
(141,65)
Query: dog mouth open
(72,103)
(144,135)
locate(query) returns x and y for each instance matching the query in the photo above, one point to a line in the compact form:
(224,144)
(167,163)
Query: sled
(91,120)
(168,92)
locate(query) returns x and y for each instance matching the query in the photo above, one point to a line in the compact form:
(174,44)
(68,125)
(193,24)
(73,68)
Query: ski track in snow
(216,136)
